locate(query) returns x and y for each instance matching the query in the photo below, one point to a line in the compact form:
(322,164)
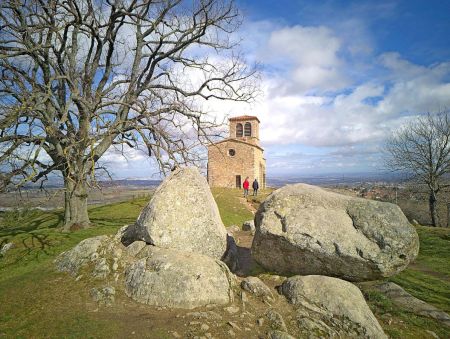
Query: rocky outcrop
(256,287)
(279,335)
(90,251)
(412,304)
(302,229)
(166,277)
(149,274)
(104,296)
(249,225)
(231,256)
(183,215)
(170,256)
(331,307)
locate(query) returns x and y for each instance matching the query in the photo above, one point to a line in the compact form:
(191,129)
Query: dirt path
(248,205)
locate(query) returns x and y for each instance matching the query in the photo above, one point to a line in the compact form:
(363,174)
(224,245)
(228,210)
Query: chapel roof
(244,117)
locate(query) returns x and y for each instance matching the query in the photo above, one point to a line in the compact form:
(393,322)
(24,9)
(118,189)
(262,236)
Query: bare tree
(422,148)
(81,76)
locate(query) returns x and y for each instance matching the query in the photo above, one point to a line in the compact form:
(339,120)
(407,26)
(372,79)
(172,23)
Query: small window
(239,130)
(231,152)
(248,129)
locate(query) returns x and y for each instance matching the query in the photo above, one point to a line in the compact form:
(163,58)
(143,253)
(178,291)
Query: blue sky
(338,77)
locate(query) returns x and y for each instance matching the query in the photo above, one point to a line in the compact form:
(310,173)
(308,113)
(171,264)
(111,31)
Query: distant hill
(336,179)
(130,182)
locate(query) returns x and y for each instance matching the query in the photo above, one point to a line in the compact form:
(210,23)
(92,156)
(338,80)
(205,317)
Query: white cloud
(325,89)
(311,57)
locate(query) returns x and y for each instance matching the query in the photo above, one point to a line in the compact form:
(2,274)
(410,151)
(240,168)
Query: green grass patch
(38,238)
(232,210)
(428,278)
(400,324)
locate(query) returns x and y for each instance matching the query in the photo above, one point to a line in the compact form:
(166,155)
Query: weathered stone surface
(276,321)
(303,229)
(280,335)
(149,274)
(232,309)
(6,247)
(331,306)
(134,248)
(410,303)
(255,286)
(164,277)
(183,215)
(249,225)
(104,296)
(231,256)
(86,252)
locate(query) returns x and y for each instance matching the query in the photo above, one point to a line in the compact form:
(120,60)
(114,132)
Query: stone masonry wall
(223,168)
(254,139)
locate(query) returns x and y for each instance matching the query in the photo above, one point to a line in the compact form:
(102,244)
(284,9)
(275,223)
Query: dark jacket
(255,184)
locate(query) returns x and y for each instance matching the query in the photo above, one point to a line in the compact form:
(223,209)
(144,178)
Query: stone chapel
(239,156)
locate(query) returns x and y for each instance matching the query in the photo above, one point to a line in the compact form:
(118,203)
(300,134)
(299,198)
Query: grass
(400,324)
(428,278)
(231,207)
(232,211)
(34,298)
(36,301)
(38,238)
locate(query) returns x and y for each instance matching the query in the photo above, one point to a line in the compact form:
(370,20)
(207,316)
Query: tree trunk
(75,204)
(433,209)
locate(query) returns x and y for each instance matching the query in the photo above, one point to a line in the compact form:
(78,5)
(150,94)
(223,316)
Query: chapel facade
(239,156)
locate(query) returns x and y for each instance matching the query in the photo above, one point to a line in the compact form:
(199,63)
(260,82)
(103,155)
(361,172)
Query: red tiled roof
(244,117)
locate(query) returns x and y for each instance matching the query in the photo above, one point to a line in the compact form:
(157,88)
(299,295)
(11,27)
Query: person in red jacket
(246,185)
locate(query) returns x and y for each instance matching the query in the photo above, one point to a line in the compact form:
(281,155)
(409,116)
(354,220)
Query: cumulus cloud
(325,89)
(364,113)
(311,57)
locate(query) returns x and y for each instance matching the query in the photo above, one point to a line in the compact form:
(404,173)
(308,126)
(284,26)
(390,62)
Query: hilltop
(38,301)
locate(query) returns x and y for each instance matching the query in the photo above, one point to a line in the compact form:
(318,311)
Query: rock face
(410,303)
(303,229)
(255,286)
(170,257)
(164,277)
(104,296)
(148,274)
(183,215)
(231,256)
(280,335)
(87,252)
(249,225)
(331,307)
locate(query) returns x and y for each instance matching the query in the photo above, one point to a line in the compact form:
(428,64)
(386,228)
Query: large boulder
(183,215)
(89,252)
(303,229)
(165,277)
(149,274)
(331,307)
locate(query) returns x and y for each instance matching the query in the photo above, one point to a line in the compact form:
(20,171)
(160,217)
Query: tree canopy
(422,149)
(81,76)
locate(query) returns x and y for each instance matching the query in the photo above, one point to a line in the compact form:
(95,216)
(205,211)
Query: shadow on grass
(39,220)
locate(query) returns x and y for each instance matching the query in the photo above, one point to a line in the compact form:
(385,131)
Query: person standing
(246,185)
(255,187)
